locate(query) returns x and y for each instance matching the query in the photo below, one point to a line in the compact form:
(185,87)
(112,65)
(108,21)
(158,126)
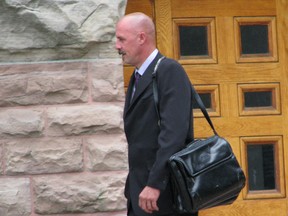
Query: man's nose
(117,46)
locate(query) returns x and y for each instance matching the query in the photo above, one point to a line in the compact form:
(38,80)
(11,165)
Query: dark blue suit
(150,146)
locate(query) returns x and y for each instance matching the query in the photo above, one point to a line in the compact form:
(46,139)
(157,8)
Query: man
(150,145)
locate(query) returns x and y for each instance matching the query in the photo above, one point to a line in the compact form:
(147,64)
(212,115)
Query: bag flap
(201,155)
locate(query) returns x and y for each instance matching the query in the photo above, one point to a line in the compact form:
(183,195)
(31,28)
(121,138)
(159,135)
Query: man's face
(126,43)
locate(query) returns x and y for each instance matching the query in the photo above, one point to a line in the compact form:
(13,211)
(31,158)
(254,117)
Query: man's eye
(121,39)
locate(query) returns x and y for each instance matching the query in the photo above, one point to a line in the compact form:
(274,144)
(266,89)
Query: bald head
(135,35)
(139,22)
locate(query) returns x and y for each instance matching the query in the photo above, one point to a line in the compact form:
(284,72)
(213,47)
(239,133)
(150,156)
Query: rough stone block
(39,156)
(107,80)
(21,122)
(1,158)
(43,84)
(77,120)
(46,30)
(15,199)
(101,192)
(107,153)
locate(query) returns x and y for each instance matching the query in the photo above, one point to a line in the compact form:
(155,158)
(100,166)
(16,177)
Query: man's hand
(148,199)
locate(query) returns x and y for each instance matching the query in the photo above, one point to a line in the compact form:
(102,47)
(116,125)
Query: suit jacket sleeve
(175,108)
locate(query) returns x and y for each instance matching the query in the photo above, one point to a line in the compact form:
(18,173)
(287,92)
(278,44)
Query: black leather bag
(206,172)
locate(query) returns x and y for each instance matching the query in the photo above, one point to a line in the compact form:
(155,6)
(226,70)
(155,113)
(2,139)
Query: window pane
(193,41)
(206,99)
(254,39)
(258,99)
(261,167)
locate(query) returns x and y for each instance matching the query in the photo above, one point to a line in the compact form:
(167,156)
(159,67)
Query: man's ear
(142,37)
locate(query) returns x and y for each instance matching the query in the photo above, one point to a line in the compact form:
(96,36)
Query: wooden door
(235,53)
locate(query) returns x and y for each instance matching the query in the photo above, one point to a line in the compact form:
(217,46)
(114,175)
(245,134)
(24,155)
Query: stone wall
(62,147)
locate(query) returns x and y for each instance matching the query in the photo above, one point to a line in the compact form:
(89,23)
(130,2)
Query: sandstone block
(48,30)
(1,159)
(39,156)
(107,153)
(77,120)
(45,87)
(16,122)
(15,199)
(101,192)
(107,80)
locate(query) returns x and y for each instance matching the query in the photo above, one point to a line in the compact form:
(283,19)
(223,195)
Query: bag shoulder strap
(202,107)
(194,94)
(155,89)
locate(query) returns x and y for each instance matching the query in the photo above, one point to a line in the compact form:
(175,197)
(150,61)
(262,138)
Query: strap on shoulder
(194,93)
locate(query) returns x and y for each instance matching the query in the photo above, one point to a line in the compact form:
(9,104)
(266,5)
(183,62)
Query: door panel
(245,82)
(223,8)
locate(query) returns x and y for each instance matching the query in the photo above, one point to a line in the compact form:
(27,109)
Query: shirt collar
(147,62)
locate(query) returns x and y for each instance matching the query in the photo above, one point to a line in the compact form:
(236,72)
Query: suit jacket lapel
(144,82)
(129,93)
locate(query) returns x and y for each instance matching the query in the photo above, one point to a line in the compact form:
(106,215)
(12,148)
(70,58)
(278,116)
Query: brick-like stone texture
(40,156)
(107,153)
(107,81)
(15,198)
(51,30)
(21,122)
(101,192)
(77,120)
(62,146)
(65,85)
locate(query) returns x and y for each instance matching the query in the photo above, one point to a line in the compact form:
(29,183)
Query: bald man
(148,189)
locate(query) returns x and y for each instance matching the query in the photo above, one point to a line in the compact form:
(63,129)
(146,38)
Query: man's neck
(145,55)
(147,62)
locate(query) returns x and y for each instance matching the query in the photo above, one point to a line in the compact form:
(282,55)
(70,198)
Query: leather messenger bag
(206,172)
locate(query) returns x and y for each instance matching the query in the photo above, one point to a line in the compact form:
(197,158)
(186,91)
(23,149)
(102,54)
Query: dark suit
(150,146)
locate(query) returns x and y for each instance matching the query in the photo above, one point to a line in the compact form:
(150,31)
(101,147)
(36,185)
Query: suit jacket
(151,145)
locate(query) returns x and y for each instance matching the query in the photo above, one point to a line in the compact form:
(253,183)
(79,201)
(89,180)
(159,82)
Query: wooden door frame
(163,24)
(282,27)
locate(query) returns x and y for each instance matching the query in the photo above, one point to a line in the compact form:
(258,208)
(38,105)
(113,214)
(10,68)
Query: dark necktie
(137,76)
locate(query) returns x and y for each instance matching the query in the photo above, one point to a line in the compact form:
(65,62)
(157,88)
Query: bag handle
(194,94)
